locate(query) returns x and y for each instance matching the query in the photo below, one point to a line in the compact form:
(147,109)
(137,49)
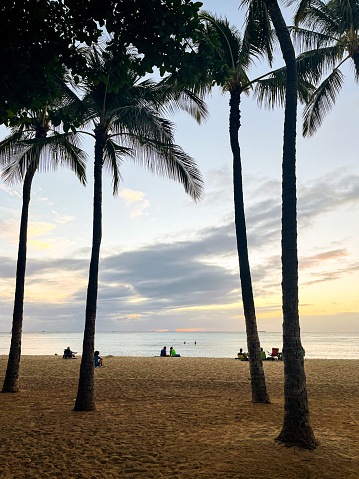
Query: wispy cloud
(135,200)
(10,191)
(309,261)
(38,228)
(62,219)
(186,282)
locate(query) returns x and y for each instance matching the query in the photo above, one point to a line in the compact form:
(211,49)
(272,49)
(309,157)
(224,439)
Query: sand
(175,418)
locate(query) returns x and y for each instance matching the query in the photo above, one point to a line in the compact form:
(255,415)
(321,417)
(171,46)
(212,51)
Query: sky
(168,263)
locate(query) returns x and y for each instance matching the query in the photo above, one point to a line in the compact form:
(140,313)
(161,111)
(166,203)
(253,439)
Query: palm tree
(25,151)
(296,427)
(332,37)
(237,54)
(128,123)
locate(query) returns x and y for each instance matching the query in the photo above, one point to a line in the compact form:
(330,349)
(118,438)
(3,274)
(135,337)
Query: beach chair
(274,354)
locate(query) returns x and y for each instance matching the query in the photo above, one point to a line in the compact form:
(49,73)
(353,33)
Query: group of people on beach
(276,354)
(171,354)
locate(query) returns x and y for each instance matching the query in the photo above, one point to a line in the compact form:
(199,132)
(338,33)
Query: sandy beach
(175,418)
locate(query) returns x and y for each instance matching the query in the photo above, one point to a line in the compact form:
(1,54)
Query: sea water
(187,344)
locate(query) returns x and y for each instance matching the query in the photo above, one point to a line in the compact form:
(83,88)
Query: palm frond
(355,59)
(142,123)
(168,98)
(301,11)
(169,160)
(229,38)
(318,16)
(64,149)
(9,147)
(344,12)
(314,63)
(258,35)
(321,102)
(45,154)
(112,161)
(270,92)
(306,40)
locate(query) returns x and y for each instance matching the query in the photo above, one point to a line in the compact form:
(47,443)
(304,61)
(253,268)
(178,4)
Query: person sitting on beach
(68,354)
(163,352)
(263,355)
(242,355)
(172,351)
(98,359)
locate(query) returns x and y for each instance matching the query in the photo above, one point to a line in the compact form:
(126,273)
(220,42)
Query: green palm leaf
(310,40)
(258,29)
(45,154)
(318,16)
(322,102)
(113,154)
(170,161)
(314,63)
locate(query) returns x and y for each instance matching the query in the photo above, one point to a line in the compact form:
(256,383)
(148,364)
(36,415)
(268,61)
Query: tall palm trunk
(85,400)
(11,383)
(296,427)
(259,390)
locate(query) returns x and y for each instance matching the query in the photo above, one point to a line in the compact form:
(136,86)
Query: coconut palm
(127,123)
(296,426)
(238,55)
(331,39)
(27,150)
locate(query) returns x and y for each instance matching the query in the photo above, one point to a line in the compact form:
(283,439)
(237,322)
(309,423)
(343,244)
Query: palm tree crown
(331,38)
(29,146)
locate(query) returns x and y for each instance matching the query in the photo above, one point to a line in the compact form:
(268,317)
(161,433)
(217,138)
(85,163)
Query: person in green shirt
(172,351)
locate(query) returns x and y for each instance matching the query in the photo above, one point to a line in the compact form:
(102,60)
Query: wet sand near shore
(176,418)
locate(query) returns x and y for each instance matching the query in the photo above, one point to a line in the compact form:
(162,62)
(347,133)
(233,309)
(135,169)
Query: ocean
(187,344)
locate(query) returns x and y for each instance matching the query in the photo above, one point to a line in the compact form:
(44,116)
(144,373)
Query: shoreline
(189,418)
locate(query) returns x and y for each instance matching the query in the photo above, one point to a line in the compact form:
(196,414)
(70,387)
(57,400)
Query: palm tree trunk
(259,390)
(296,427)
(85,400)
(11,384)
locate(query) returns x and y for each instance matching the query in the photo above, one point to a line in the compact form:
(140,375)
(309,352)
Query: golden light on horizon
(38,245)
(39,229)
(205,307)
(191,330)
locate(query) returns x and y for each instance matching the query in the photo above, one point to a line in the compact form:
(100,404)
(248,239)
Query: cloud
(319,258)
(9,230)
(10,191)
(135,200)
(37,245)
(327,194)
(36,229)
(45,200)
(62,219)
(184,284)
